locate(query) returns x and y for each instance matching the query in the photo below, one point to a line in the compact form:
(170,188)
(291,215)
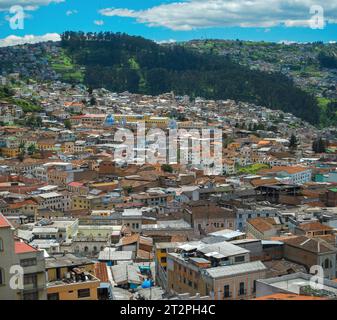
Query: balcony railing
(242,292)
(227,295)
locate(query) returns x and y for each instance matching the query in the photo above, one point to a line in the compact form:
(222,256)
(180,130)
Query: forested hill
(121,62)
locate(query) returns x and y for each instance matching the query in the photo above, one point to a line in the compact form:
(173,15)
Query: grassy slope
(62,64)
(252,169)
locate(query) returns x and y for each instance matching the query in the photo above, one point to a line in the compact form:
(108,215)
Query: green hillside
(121,62)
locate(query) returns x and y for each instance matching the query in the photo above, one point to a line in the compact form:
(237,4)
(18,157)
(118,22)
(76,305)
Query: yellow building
(46,145)
(234,146)
(73,291)
(161,251)
(10,152)
(105,186)
(86,202)
(71,278)
(130,117)
(67,147)
(157,122)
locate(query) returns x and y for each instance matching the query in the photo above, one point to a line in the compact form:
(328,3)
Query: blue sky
(161,20)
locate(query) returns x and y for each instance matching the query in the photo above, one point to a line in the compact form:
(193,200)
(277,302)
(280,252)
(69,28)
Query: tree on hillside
(293,144)
(120,62)
(22,151)
(319,145)
(93,101)
(34,122)
(67,124)
(31,149)
(167,168)
(127,189)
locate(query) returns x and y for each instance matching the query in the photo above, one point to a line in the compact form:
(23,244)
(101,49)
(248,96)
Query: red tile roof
(261,224)
(289,296)
(314,226)
(75,184)
(22,204)
(22,247)
(4,222)
(289,170)
(130,239)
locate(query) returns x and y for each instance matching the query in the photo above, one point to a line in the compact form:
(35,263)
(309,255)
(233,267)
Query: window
(28,262)
(31,296)
(254,286)
(1,245)
(226,292)
(163,260)
(30,279)
(242,289)
(327,263)
(239,259)
(249,216)
(53,296)
(83,293)
(2,277)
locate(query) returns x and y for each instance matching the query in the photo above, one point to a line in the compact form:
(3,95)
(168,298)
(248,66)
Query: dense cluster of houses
(85,224)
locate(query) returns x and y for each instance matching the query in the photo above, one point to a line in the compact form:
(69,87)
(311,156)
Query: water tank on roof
(147,284)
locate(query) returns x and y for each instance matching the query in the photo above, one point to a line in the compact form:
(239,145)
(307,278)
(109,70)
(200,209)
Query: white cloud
(120,12)
(71,12)
(15,40)
(193,14)
(29,5)
(99,22)
(166,41)
(287,42)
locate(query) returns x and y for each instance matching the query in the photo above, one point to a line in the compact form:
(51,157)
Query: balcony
(227,295)
(242,292)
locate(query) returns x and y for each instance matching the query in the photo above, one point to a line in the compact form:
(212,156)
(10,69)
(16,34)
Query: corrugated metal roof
(231,270)
(115,255)
(225,248)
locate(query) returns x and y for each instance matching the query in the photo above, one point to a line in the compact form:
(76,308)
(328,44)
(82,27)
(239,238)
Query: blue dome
(109,121)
